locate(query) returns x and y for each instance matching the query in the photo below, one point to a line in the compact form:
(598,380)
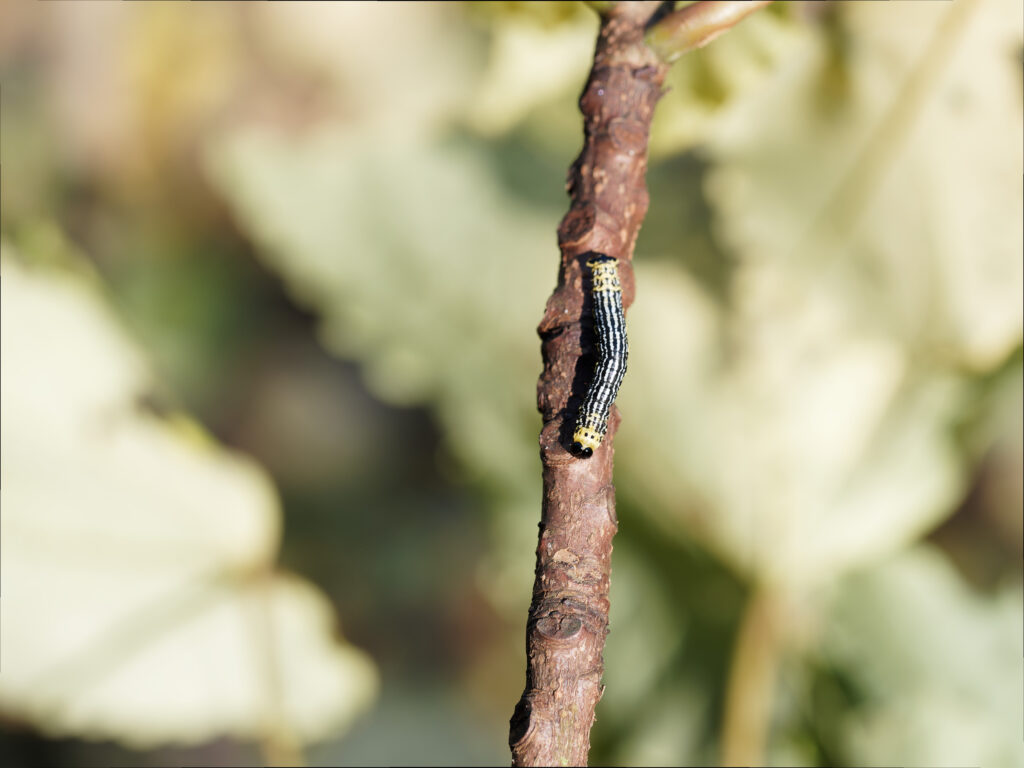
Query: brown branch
(568,618)
(697,25)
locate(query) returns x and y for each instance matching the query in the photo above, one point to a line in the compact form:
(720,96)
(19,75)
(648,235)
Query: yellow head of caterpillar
(587,438)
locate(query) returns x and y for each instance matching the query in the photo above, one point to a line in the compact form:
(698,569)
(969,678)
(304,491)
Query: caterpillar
(612,352)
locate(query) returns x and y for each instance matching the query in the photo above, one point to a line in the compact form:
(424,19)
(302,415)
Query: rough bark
(568,617)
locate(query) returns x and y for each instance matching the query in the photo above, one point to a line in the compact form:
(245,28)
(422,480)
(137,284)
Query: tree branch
(697,25)
(568,617)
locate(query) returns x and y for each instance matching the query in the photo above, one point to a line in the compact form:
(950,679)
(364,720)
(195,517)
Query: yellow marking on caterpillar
(589,433)
(605,275)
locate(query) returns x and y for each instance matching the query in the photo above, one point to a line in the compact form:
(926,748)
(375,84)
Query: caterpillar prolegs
(612,352)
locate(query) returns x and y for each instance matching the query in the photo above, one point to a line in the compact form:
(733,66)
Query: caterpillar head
(584,440)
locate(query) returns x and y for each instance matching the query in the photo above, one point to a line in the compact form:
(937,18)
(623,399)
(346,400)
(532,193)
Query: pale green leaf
(420,268)
(428,275)
(811,452)
(888,173)
(926,651)
(140,601)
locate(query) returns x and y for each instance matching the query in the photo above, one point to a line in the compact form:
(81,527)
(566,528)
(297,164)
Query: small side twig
(697,25)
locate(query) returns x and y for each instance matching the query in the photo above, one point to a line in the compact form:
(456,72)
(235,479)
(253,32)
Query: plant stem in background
(279,744)
(752,673)
(568,617)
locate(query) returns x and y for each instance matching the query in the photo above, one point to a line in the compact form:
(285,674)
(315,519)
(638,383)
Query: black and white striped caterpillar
(612,352)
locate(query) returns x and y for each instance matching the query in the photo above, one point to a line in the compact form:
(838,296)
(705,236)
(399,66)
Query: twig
(697,25)
(569,615)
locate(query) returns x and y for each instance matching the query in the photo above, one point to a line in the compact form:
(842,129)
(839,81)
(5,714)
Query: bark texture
(568,617)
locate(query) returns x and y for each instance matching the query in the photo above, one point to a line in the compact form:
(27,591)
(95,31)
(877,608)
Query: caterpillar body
(612,353)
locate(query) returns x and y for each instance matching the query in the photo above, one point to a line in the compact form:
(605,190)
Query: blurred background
(271,277)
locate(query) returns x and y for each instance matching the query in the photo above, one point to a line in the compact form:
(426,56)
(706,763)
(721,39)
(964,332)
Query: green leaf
(887,168)
(140,601)
(424,271)
(420,268)
(812,452)
(934,664)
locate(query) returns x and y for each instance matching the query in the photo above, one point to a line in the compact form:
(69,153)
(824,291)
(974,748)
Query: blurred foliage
(330,227)
(145,606)
(947,652)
